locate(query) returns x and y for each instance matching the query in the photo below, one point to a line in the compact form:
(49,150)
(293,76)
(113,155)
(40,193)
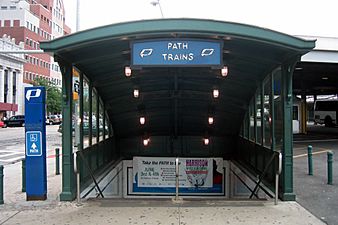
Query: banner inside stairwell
(196,175)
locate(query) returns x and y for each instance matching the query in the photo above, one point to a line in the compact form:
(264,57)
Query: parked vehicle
(53,119)
(15,121)
(325,112)
(2,123)
(86,128)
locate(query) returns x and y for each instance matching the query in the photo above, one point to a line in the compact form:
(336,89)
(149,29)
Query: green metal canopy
(177,101)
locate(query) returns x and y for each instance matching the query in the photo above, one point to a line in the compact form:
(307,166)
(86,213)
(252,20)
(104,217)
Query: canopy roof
(177,101)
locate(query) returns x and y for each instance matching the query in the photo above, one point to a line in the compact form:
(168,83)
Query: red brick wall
(14,32)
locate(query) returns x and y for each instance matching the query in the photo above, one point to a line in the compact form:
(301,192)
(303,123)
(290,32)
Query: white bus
(325,112)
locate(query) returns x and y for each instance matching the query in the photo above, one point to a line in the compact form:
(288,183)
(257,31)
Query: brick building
(32,21)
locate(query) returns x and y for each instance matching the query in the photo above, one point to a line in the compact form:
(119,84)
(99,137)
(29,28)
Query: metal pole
(77,15)
(159,4)
(77,173)
(309,157)
(23,168)
(177,180)
(279,171)
(329,166)
(57,161)
(78,197)
(1,184)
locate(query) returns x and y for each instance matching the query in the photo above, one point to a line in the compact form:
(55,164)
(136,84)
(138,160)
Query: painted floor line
(319,140)
(314,153)
(12,159)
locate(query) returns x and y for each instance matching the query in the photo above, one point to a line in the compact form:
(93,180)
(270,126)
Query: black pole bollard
(57,161)
(309,159)
(1,184)
(23,167)
(329,166)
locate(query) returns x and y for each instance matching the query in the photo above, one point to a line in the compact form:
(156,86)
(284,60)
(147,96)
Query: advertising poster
(196,175)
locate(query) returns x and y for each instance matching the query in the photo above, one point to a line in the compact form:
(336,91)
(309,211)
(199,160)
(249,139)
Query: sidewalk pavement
(17,210)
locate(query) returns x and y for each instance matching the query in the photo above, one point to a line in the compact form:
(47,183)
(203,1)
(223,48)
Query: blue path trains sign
(177,52)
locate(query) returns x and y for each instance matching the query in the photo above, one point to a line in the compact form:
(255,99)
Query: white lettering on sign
(177,45)
(178,57)
(33,93)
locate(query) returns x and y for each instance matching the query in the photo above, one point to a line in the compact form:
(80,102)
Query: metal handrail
(243,182)
(278,172)
(90,172)
(254,192)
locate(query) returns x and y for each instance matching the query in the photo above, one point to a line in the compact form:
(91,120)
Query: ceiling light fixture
(146,141)
(127,71)
(325,78)
(142,120)
(206,141)
(224,71)
(215,93)
(136,93)
(210,120)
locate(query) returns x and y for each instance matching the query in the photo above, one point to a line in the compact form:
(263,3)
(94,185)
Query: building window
(3,7)
(14,87)
(12,7)
(6,86)
(16,23)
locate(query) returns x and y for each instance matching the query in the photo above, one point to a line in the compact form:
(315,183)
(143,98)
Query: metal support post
(77,173)
(23,167)
(57,161)
(177,199)
(329,166)
(78,197)
(177,179)
(1,184)
(309,157)
(278,172)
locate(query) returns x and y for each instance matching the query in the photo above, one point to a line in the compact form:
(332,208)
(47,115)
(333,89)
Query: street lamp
(155,3)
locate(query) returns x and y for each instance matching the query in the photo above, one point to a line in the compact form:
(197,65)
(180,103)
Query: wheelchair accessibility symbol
(33,143)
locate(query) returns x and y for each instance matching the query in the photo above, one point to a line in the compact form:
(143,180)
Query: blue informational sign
(35,133)
(177,52)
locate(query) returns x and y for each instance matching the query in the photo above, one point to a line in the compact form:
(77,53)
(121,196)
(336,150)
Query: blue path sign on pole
(177,52)
(35,130)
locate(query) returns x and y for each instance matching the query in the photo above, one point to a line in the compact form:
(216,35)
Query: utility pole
(155,3)
(77,15)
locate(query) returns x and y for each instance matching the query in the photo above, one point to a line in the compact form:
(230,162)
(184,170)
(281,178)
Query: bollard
(309,157)
(1,184)
(23,167)
(57,161)
(329,166)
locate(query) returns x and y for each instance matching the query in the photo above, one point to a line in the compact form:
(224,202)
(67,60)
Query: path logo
(33,93)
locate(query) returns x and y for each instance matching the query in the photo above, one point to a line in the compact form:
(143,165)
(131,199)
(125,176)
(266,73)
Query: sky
(294,17)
